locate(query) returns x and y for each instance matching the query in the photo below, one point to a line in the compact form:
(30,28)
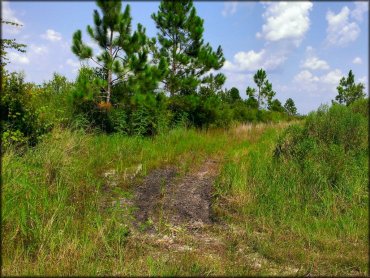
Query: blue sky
(305,47)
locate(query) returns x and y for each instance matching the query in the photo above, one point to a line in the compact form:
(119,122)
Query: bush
(361,106)
(243,113)
(118,118)
(21,123)
(50,102)
(148,114)
(86,100)
(338,125)
(331,144)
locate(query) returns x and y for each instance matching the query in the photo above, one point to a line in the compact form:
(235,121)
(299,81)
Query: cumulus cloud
(360,9)
(52,35)
(286,20)
(357,61)
(314,63)
(18,58)
(229,8)
(340,30)
(308,82)
(332,77)
(252,61)
(9,15)
(306,76)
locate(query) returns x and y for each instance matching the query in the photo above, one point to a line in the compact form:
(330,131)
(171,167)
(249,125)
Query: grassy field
(270,219)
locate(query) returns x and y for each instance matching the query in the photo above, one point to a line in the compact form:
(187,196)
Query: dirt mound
(164,196)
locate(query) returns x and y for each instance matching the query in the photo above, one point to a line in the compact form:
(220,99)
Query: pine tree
(348,91)
(124,54)
(212,84)
(234,95)
(290,107)
(265,92)
(264,87)
(275,105)
(180,38)
(251,101)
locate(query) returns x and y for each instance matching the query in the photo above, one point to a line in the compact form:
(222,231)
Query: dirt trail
(175,211)
(163,196)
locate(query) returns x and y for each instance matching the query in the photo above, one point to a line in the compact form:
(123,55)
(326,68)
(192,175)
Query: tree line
(173,71)
(138,85)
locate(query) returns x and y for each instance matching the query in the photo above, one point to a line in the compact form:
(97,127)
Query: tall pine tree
(181,43)
(348,90)
(290,107)
(265,91)
(124,55)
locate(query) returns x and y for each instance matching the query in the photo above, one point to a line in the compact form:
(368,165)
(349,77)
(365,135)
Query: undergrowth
(304,199)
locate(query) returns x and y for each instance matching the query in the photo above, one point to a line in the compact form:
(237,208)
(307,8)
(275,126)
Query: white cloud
(9,15)
(357,61)
(286,21)
(332,77)
(252,61)
(360,9)
(314,63)
(312,84)
(18,58)
(340,31)
(229,8)
(38,49)
(306,76)
(51,35)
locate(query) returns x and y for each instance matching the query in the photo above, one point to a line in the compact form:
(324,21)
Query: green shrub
(328,147)
(361,106)
(338,125)
(148,114)
(21,123)
(118,118)
(85,97)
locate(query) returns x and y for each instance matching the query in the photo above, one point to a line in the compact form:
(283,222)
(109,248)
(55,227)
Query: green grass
(293,211)
(56,220)
(53,215)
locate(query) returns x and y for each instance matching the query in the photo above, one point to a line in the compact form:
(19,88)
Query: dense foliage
(348,90)
(330,145)
(296,195)
(139,85)
(181,43)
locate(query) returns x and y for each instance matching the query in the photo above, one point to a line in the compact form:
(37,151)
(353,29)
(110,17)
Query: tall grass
(56,212)
(308,205)
(292,195)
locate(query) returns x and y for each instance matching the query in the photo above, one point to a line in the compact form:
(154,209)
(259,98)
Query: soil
(173,213)
(165,196)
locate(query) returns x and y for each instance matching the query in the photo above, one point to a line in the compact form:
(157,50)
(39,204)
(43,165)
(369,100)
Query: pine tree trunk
(109,70)
(109,85)
(172,88)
